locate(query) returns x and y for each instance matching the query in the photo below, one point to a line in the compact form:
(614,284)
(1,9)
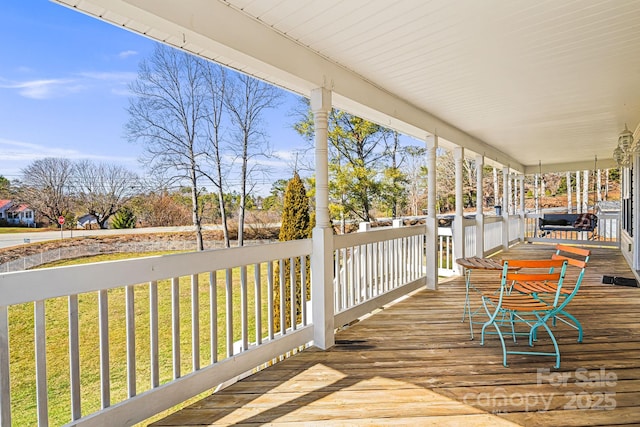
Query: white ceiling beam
(574,166)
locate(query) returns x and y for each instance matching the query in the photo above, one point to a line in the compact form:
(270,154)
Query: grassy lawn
(21,338)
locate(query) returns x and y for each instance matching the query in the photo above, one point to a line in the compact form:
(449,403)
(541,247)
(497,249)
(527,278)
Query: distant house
(88,221)
(18,214)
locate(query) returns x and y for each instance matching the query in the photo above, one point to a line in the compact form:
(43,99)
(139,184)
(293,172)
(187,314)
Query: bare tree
(166,114)
(103,189)
(416,171)
(45,187)
(246,100)
(216,80)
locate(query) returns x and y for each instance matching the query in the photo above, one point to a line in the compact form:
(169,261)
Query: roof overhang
(531,86)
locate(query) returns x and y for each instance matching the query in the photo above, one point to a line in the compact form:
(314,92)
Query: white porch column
(432,220)
(635,255)
(479,207)
(496,194)
(536,192)
(505,212)
(458,221)
(578,191)
(522,207)
(569,200)
(322,253)
(585,192)
(511,207)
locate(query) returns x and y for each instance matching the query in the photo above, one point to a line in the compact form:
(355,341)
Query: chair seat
(519,303)
(539,287)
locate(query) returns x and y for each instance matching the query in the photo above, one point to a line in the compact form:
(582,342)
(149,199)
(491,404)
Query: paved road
(16,239)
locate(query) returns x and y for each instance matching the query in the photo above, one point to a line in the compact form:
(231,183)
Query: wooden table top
(480,263)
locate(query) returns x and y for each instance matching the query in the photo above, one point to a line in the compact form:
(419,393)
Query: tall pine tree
(296,224)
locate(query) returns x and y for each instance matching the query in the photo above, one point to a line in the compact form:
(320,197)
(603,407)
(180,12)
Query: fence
(71,252)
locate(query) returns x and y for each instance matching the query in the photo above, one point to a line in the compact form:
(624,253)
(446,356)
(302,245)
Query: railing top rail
(376,235)
(34,285)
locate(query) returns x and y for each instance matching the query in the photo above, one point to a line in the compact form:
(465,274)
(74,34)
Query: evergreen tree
(124,218)
(296,224)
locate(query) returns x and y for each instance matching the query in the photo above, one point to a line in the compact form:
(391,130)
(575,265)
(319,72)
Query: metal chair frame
(507,309)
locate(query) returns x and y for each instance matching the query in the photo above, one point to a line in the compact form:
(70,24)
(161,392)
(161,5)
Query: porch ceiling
(521,82)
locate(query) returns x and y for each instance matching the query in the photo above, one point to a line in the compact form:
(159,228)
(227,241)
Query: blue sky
(63,89)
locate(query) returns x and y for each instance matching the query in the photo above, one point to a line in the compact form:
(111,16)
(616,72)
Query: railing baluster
(41,364)
(105,380)
(366,271)
(337,292)
(353,296)
(213,315)
(283,313)
(5,386)
(345,284)
(385,269)
(292,292)
(270,299)
(153,334)
(303,290)
(244,311)
(229,310)
(258,302)
(195,323)
(175,325)
(74,358)
(373,277)
(131,341)
(392,263)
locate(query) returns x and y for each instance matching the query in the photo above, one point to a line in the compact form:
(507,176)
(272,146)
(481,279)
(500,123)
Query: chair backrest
(576,257)
(571,254)
(535,270)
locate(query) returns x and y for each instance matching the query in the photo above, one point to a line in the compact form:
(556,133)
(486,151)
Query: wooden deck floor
(413,364)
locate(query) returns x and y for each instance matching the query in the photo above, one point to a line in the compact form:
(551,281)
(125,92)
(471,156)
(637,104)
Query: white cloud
(127,53)
(49,88)
(110,76)
(45,88)
(16,155)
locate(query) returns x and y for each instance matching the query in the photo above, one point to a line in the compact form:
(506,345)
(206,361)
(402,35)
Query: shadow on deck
(413,363)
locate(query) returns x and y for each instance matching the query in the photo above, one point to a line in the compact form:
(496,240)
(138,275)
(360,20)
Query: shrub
(124,218)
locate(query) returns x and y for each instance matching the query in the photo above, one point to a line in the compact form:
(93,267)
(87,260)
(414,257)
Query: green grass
(21,338)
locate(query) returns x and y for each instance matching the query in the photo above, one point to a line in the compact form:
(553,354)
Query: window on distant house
(28,214)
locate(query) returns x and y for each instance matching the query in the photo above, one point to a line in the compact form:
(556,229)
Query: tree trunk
(195,214)
(223,218)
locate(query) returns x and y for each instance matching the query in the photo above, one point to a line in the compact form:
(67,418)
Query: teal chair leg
(576,323)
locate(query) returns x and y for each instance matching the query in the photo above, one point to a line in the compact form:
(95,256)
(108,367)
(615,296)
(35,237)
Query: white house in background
(87,221)
(19,214)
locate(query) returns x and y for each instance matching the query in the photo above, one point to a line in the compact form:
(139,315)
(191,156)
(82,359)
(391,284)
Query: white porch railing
(174,326)
(470,236)
(446,257)
(606,233)
(514,229)
(375,268)
(492,241)
(492,234)
(181,298)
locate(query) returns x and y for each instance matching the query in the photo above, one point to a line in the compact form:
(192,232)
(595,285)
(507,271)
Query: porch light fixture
(623,154)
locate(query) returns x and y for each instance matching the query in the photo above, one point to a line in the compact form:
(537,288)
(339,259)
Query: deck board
(413,363)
